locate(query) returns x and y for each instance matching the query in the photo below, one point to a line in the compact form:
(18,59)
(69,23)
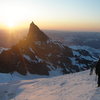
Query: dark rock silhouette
(38,54)
(35,34)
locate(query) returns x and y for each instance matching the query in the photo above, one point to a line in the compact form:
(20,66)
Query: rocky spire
(35,34)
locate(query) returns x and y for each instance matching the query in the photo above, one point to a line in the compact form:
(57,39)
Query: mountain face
(38,54)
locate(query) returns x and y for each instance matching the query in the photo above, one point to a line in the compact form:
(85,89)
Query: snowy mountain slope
(78,86)
(93,52)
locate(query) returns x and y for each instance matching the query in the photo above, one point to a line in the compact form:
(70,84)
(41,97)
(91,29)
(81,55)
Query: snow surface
(32,50)
(3,49)
(91,50)
(27,58)
(76,53)
(85,48)
(75,62)
(77,86)
(30,60)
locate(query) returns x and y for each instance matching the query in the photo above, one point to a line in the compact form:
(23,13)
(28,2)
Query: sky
(70,15)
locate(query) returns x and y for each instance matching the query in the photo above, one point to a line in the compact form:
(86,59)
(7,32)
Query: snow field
(77,86)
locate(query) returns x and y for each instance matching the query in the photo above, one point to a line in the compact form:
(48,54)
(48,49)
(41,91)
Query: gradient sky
(73,15)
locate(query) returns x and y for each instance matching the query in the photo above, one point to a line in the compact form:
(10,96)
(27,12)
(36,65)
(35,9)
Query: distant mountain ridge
(38,54)
(91,39)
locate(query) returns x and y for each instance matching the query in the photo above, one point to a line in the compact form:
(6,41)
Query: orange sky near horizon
(71,26)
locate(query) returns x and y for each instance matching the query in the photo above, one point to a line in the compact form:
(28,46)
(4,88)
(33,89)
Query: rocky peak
(35,34)
(33,28)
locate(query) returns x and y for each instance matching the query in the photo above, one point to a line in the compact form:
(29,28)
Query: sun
(10,24)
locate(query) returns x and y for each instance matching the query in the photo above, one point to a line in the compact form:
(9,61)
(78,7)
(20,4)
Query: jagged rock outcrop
(38,54)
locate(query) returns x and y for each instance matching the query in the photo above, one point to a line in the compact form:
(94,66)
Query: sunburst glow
(10,24)
(13,14)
